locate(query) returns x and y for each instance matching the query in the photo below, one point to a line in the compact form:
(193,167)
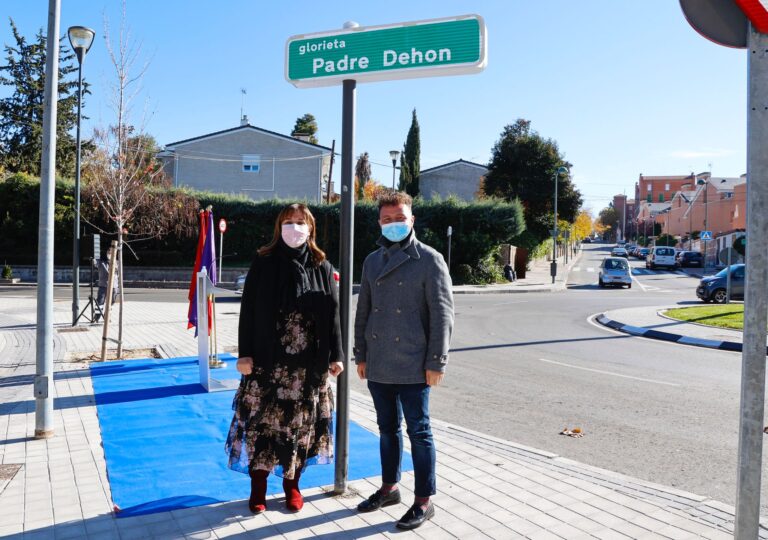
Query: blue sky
(624,87)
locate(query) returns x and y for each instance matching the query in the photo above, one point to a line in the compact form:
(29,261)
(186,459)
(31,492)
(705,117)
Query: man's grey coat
(404,313)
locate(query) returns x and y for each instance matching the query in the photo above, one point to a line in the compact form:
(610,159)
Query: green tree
(523,166)
(609,217)
(410,159)
(306,125)
(21,113)
(362,174)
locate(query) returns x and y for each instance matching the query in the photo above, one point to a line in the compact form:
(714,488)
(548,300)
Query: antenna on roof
(243,118)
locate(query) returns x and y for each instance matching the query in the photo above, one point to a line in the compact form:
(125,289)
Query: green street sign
(435,47)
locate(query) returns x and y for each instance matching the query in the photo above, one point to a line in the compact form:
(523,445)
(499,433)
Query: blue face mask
(394,232)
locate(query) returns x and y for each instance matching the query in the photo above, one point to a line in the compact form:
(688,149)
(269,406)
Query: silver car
(615,271)
(240,283)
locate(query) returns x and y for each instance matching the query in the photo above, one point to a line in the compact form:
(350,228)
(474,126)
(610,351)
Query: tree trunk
(120,291)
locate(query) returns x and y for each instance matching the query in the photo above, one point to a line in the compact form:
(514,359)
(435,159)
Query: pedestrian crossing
(635,271)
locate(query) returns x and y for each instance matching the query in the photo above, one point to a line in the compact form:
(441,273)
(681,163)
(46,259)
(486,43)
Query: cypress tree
(410,158)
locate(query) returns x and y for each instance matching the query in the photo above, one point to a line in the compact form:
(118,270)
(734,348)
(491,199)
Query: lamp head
(80,39)
(562,170)
(394,154)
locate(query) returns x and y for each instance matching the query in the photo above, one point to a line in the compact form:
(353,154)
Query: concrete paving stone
(630,529)
(138,532)
(609,534)
(676,533)
(434,532)
(565,530)
(716,534)
(587,525)
(169,526)
(647,523)
(229,529)
(464,512)
(543,520)
(542,504)
(692,525)
(44,534)
(459,529)
(543,535)
(191,522)
(200,535)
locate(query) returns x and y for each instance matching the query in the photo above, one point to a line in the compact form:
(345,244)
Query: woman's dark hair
(318,255)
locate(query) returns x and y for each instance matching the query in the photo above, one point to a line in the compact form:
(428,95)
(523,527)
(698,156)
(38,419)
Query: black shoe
(377,500)
(415,517)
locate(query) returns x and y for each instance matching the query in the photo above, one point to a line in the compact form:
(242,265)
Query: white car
(660,256)
(615,271)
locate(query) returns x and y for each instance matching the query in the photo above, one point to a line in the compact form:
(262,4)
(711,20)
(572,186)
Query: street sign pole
(428,48)
(345,283)
(728,278)
(755,295)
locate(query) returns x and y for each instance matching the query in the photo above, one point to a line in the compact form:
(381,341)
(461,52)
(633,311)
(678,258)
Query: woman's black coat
(259,310)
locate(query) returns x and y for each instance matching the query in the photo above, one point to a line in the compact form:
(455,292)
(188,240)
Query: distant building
(251,161)
(659,189)
(458,178)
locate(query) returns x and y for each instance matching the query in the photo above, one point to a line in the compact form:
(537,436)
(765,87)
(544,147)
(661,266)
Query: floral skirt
(283,421)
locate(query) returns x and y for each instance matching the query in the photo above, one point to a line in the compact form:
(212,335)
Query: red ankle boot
(293,499)
(257,502)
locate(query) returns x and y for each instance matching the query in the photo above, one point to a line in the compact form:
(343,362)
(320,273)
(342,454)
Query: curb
(641,331)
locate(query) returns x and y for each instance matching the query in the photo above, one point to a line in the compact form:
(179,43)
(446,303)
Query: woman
(289,342)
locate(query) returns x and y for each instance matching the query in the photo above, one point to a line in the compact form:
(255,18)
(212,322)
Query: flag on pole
(205,257)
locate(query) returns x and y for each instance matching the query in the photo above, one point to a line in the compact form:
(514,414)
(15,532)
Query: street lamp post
(81,39)
(553,266)
(394,154)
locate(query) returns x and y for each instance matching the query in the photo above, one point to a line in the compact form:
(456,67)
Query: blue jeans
(392,402)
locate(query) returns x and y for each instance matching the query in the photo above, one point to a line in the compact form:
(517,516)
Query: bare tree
(123,179)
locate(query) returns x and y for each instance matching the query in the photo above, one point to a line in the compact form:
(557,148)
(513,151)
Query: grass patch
(721,316)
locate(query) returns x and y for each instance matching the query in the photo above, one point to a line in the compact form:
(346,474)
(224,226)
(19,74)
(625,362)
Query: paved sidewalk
(537,279)
(488,488)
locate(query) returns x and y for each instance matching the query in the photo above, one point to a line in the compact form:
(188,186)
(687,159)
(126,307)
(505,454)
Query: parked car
(660,256)
(619,252)
(587,240)
(240,283)
(642,252)
(614,271)
(713,288)
(689,258)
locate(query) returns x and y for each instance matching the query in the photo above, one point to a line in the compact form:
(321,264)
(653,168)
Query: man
(103,267)
(402,335)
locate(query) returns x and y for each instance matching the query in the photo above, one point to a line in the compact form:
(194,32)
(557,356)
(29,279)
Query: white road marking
(576,269)
(508,303)
(608,373)
(590,269)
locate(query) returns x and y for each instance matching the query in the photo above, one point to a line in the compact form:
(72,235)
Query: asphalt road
(525,366)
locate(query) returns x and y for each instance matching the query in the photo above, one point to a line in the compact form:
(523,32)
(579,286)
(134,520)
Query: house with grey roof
(458,178)
(251,161)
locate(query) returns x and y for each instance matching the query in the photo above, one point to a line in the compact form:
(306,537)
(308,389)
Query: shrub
(7,272)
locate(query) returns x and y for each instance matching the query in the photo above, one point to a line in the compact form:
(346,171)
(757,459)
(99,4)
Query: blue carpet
(164,437)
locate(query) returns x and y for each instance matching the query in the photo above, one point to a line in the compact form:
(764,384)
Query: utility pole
(44,334)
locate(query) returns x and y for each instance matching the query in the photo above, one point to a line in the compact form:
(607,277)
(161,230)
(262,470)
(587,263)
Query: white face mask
(295,235)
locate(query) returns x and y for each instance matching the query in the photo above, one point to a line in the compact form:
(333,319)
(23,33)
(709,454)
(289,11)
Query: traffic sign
(705,235)
(222,225)
(724,258)
(450,46)
(740,245)
(720,21)
(757,12)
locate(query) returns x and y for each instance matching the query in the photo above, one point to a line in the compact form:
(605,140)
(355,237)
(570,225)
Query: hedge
(478,228)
